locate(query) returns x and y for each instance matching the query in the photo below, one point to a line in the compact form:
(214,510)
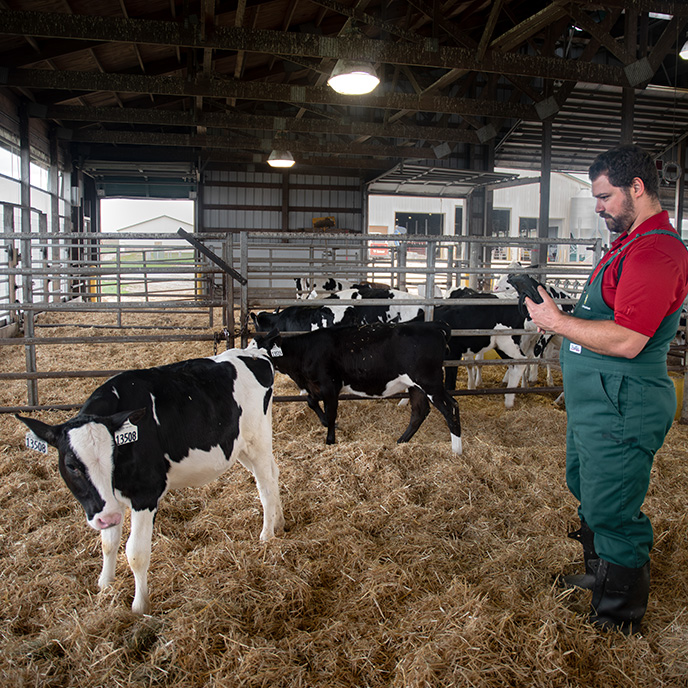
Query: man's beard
(623,221)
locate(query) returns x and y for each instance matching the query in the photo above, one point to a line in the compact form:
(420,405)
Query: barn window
(421,223)
(458,220)
(501,221)
(527,227)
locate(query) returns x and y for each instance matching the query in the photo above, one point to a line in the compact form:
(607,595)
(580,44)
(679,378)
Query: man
(620,400)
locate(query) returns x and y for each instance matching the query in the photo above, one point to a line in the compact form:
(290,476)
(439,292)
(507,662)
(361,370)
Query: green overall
(619,411)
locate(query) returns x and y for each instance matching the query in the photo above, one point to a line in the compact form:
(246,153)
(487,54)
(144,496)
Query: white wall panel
(237,200)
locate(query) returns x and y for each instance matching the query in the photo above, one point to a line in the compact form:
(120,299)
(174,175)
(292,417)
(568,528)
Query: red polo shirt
(647,280)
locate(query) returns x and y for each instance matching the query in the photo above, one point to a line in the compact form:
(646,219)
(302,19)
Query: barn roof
(176,86)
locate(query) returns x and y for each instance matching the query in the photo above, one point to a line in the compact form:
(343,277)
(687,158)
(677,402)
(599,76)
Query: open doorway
(148,214)
(142,261)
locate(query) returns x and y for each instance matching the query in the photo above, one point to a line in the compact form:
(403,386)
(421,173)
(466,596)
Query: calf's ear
(273,337)
(49,433)
(267,341)
(117,420)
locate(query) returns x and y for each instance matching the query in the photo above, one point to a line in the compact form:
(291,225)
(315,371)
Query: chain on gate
(224,335)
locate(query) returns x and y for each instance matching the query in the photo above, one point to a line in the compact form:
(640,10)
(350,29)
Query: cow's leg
(450,373)
(475,373)
(138,555)
(513,378)
(109,542)
(313,403)
(419,412)
(449,408)
(330,402)
(533,373)
(261,462)
(470,372)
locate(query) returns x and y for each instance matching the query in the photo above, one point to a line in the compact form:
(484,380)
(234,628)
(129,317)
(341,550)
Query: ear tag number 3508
(127,434)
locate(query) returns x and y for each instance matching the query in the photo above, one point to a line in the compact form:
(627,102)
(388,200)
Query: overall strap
(613,254)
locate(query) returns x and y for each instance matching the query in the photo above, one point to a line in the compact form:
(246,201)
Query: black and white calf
(496,316)
(319,287)
(324,287)
(370,361)
(327,313)
(144,432)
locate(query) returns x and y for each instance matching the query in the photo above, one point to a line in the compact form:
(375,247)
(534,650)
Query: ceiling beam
(677,8)
(86,153)
(208,142)
(223,120)
(215,88)
(429,54)
(363,18)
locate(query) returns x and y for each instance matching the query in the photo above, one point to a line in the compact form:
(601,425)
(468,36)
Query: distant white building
(515,214)
(163,224)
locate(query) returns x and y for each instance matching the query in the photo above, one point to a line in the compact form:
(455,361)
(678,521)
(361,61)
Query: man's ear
(637,187)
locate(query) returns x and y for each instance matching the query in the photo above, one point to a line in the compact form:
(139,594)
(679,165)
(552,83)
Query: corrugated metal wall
(235,201)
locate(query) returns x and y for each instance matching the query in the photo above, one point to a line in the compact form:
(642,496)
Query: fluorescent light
(353,78)
(280,158)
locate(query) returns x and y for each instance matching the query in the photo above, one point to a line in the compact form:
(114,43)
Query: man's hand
(601,336)
(545,315)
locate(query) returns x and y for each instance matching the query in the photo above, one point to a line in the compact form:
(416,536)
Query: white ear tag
(127,434)
(275,352)
(36,443)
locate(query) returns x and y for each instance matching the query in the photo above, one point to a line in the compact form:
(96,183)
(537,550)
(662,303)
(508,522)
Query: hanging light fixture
(353,78)
(280,158)
(683,53)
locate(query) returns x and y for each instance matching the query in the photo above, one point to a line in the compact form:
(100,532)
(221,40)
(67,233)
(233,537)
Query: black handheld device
(525,285)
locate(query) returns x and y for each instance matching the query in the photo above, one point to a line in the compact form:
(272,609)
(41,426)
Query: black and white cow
(144,432)
(501,316)
(327,314)
(370,361)
(318,287)
(323,287)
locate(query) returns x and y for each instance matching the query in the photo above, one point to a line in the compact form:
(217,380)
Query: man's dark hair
(623,164)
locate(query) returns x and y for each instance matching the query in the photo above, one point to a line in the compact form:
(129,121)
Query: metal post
(27,279)
(431,260)
(243,269)
(12,258)
(473,262)
(684,405)
(118,282)
(44,263)
(680,187)
(401,263)
(628,93)
(540,254)
(54,188)
(228,289)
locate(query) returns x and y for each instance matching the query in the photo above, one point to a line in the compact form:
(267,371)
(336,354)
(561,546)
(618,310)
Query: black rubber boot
(586,580)
(619,597)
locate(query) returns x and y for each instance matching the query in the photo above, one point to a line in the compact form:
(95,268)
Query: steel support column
(539,254)
(27,279)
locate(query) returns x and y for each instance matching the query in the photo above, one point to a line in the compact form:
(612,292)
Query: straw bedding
(402,565)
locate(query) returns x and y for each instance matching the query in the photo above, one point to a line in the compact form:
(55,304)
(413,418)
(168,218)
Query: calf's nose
(108,520)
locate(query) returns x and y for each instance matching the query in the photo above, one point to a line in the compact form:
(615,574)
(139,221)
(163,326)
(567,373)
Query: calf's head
(271,342)
(87,447)
(264,321)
